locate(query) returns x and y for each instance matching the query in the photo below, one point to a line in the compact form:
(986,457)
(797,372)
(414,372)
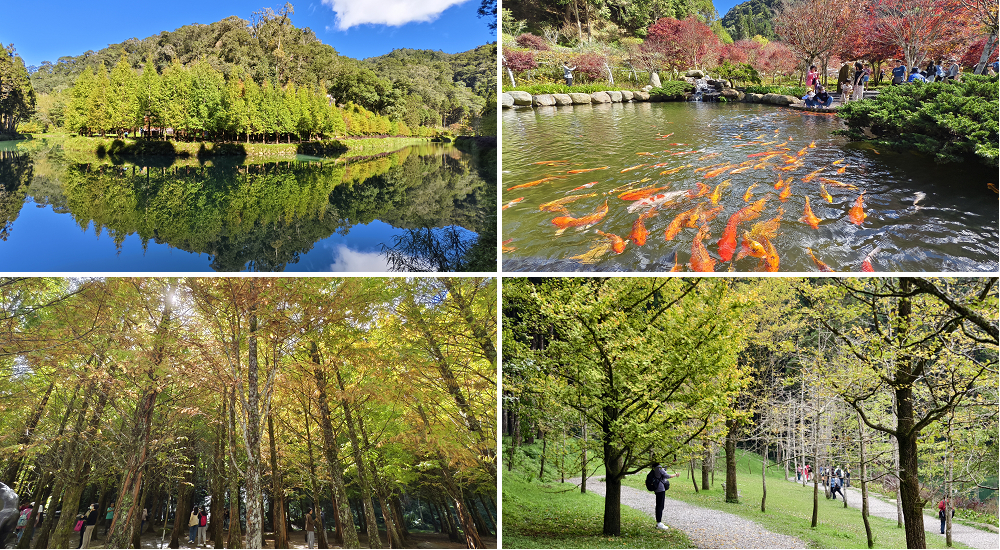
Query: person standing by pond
(812,78)
(568,73)
(899,73)
(860,78)
(658,481)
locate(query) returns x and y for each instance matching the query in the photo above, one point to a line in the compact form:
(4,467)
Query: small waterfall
(700,86)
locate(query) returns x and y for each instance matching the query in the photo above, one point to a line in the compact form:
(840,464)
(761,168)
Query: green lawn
(556,515)
(789,508)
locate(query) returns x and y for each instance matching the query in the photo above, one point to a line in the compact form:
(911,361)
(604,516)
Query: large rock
(562,99)
(732,94)
(543,100)
(695,73)
(640,96)
(520,98)
(616,97)
(580,98)
(647,88)
(627,95)
(777,99)
(506,100)
(654,79)
(691,81)
(600,97)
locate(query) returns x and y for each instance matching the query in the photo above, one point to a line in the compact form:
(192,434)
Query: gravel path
(706,528)
(969,536)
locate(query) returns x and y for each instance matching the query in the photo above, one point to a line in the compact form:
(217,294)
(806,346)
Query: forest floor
(970,536)
(298,540)
(706,528)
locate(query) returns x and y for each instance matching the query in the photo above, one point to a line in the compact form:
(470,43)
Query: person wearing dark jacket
(90,521)
(661,476)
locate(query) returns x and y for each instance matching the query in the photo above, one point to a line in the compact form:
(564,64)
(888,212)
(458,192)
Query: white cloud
(387,12)
(352,260)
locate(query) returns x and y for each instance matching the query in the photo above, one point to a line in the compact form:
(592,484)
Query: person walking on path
(568,73)
(835,488)
(310,529)
(90,521)
(943,513)
(661,482)
(193,526)
(202,527)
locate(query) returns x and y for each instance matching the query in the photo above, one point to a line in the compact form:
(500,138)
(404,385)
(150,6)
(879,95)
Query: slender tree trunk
(235,525)
(763,477)
(185,494)
(864,484)
(254,481)
(278,510)
(313,483)
(219,476)
(583,457)
(706,460)
(732,494)
(691,468)
(815,514)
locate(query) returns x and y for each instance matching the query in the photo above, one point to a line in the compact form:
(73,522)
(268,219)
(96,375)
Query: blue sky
(723,6)
(48,29)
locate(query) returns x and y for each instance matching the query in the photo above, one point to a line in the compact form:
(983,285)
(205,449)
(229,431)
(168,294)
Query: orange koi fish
(512,203)
(645,153)
(789,159)
(677,224)
(682,152)
(768,229)
(551,162)
(692,220)
(630,168)
(677,266)
(764,154)
(536,182)
(750,247)
(741,170)
(748,194)
(562,222)
(790,167)
(812,144)
(639,194)
(727,244)
(809,177)
(822,266)
(668,135)
(558,204)
(709,156)
(787,191)
(617,243)
(701,260)
(585,170)
(823,193)
(505,248)
(639,232)
(710,214)
(660,165)
(717,171)
(584,186)
(857,212)
(717,193)
(780,183)
(710,166)
(993,188)
(838,161)
(662,199)
(838,183)
(762,165)
(593,255)
(810,218)
(762,136)
(700,191)
(628,185)
(770,259)
(841,170)
(866,266)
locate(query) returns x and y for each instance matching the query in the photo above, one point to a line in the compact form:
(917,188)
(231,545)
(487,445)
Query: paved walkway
(969,536)
(706,528)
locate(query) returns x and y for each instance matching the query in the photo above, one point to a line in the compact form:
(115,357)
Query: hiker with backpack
(658,481)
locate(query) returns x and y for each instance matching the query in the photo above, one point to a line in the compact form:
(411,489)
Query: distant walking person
(835,488)
(310,529)
(658,481)
(202,527)
(90,521)
(108,517)
(942,514)
(568,73)
(193,526)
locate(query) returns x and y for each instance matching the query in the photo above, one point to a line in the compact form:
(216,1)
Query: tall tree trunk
(763,477)
(14,466)
(219,476)
(254,481)
(864,483)
(313,483)
(732,494)
(374,541)
(278,510)
(341,505)
(185,496)
(907,434)
(235,526)
(705,464)
(815,513)
(984,58)
(583,456)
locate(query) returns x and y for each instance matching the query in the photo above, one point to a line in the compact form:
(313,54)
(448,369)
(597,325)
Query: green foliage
(738,72)
(754,17)
(952,121)
(536,89)
(671,90)
(795,91)
(17,97)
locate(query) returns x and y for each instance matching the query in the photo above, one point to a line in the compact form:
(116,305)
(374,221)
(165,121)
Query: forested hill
(751,18)
(423,87)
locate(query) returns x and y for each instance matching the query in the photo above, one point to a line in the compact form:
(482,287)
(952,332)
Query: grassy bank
(265,151)
(789,508)
(543,514)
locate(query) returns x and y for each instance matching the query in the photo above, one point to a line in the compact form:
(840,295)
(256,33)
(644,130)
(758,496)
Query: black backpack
(651,480)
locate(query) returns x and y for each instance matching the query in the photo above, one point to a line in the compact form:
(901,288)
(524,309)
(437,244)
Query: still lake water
(61,211)
(920,216)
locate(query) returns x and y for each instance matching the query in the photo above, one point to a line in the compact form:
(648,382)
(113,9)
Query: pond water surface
(919,216)
(420,208)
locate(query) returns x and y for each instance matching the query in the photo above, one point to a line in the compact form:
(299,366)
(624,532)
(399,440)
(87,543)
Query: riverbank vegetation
(892,379)
(951,121)
(262,80)
(366,399)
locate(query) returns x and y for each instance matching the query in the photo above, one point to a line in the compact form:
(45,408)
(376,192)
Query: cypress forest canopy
(202,78)
(369,399)
(632,371)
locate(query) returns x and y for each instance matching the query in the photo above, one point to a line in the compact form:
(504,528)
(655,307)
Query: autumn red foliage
(590,64)
(971,56)
(518,61)
(687,43)
(532,42)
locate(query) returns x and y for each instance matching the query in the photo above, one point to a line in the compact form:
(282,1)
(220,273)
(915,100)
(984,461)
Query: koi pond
(418,209)
(731,187)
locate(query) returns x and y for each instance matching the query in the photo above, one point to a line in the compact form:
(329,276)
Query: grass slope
(789,508)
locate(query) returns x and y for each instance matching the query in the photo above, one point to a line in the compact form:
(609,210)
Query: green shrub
(797,91)
(950,120)
(535,89)
(672,90)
